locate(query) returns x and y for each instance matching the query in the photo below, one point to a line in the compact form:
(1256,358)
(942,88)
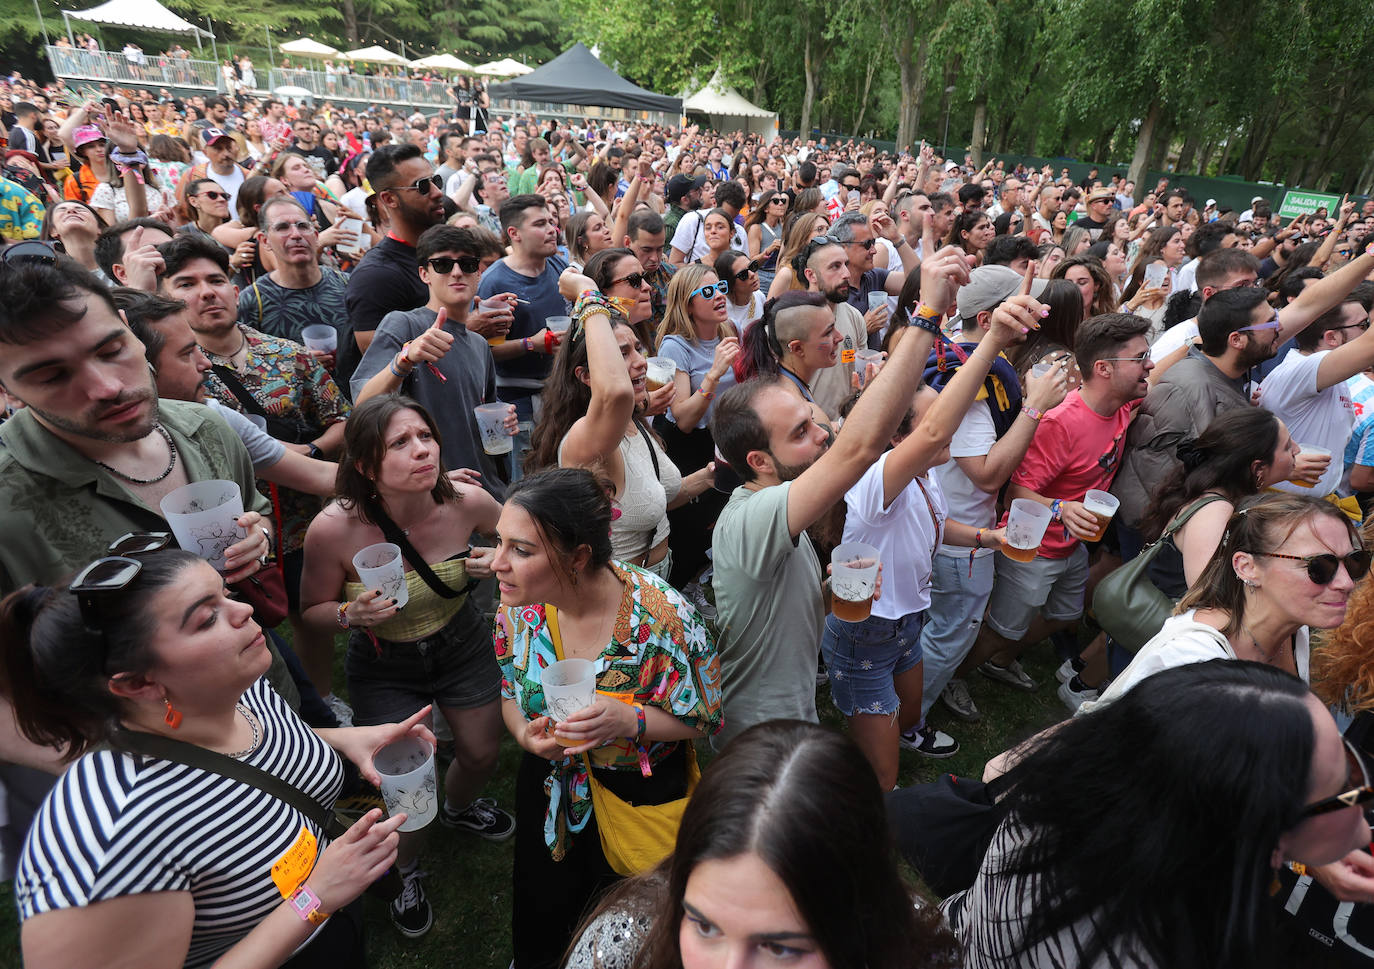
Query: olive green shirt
(60,510)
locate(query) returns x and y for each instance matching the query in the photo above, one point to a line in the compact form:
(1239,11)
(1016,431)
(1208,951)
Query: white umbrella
(376,55)
(305,47)
(294,91)
(506,67)
(442,62)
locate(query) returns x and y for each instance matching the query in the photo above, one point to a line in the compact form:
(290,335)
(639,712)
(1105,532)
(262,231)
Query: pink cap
(86,134)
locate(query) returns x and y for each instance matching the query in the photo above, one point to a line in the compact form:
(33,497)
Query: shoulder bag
(1129,607)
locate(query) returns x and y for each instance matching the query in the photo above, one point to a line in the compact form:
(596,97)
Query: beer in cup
(1102,506)
(1026,526)
(660,373)
(1308,449)
(853,580)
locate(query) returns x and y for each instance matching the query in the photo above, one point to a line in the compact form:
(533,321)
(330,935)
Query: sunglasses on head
(1271,324)
(113,573)
(1359,790)
(443,265)
(744,273)
(422,185)
(635,280)
(1321,569)
(30,251)
(710,290)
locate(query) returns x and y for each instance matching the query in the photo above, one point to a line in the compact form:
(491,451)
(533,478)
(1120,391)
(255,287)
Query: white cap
(1211,202)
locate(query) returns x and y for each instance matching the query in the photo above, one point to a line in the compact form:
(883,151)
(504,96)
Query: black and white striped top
(123,824)
(989,919)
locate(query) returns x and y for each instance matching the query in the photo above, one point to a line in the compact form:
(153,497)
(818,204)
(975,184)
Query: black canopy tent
(577,76)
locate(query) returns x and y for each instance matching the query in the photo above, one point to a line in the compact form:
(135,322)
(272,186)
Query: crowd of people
(617,393)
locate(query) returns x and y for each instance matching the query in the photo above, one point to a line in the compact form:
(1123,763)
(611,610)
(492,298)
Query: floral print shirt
(661,652)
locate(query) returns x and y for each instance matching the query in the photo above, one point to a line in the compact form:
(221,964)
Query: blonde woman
(803,228)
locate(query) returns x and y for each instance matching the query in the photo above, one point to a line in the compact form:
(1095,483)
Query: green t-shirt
(770,613)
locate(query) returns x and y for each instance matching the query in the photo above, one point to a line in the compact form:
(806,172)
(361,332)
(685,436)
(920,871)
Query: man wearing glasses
(1076,448)
(388,277)
(856,233)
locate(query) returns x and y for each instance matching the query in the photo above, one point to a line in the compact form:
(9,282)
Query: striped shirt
(122,824)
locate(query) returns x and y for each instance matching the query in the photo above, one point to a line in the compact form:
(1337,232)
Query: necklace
(171,462)
(1268,656)
(254,724)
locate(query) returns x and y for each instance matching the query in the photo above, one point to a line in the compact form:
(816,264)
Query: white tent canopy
(376,55)
(728,109)
(443,62)
(506,67)
(305,47)
(145,14)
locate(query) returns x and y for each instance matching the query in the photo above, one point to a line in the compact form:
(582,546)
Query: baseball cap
(1210,203)
(951,166)
(990,285)
(85,135)
(212,135)
(679,185)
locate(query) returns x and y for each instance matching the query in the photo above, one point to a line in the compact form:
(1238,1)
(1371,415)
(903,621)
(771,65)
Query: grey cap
(989,286)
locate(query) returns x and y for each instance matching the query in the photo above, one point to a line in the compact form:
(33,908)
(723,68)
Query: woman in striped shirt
(135,860)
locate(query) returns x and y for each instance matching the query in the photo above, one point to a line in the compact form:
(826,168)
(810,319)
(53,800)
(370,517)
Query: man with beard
(857,234)
(766,571)
(828,273)
(388,277)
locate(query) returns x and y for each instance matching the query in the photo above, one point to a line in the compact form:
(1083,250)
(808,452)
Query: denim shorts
(863,657)
(455,667)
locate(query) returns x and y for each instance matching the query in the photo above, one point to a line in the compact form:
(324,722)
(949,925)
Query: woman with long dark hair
(1053,342)
(764,228)
(392,487)
(564,597)
(142,662)
(1234,769)
(1090,276)
(744,304)
(74,226)
(790,818)
(798,232)
(971,232)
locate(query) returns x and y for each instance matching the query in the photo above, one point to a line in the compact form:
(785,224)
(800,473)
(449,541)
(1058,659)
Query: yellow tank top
(426,612)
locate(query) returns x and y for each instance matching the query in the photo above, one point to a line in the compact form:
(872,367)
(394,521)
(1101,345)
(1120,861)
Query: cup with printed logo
(569,685)
(321,337)
(558,324)
(853,580)
(491,423)
(409,785)
(380,566)
(204,518)
(1102,505)
(1309,449)
(862,358)
(1026,526)
(660,373)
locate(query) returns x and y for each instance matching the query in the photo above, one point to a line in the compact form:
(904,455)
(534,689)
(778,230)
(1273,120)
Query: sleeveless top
(426,612)
(643,503)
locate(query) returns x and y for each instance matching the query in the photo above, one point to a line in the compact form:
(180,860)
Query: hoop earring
(173,717)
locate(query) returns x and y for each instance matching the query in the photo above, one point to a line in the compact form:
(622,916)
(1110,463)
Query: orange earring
(173,717)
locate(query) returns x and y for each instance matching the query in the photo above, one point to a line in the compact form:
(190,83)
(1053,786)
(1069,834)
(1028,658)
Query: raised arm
(1323,294)
(597,433)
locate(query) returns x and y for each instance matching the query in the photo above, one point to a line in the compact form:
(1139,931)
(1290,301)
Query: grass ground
(469,879)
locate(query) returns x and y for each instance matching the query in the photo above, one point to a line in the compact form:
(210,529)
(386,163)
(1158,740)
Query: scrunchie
(1191,456)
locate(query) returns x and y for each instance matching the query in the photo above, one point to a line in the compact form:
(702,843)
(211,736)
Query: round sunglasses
(1321,569)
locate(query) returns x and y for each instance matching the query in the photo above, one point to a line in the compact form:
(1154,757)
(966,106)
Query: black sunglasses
(30,251)
(443,265)
(1321,569)
(744,273)
(1357,776)
(422,185)
(113,573)
(635,280)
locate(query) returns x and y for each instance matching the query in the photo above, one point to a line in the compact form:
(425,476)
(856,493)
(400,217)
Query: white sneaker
(696,595)
(1075,693)
(1069,669)
(929,742)
(956,698)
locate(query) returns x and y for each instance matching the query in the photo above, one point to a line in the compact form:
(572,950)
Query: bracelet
(928,312)
(922,323)
(548,340)
(1032,413)
(1055,507)
(639,713)
(978,538)
(525,344)
(589,303)
(706,394)
(342,616)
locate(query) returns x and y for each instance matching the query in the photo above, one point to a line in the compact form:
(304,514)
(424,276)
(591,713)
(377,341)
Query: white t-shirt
(968,504)
(690,238)
(742,316)
(1174,337)
(231,183)
(1183,640)
(903,534)
(1321,417)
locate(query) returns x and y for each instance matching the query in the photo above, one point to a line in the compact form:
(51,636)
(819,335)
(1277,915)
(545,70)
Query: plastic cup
(491,422)
(875,299)
(258,421)
(1101,505)
(1040,369)
(321,337)
(1309,449)
(204,518)
(660,373)
(558,324)
(853,580)
(862,358)
(409,785)
(569,686)
(1025,528)
(380,567)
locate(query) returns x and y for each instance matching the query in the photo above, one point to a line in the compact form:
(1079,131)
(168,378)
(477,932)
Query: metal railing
(149,70)
(369,89)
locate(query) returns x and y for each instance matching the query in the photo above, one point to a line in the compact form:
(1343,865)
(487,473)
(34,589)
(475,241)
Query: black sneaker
(929,742)
(482,817)
(410,911)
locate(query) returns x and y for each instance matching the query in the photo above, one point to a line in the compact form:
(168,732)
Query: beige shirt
(831,387)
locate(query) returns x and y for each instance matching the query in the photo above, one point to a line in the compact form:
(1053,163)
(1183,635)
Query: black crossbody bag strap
(240,392)
(396,536)
(649,443)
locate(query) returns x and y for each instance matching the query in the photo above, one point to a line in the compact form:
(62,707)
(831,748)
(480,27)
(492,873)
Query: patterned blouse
(661,652)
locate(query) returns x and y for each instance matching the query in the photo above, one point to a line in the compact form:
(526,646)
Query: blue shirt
(524,375)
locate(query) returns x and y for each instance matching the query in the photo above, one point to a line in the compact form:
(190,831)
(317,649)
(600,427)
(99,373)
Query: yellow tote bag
(634,837)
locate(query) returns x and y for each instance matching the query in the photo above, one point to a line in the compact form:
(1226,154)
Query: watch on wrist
(306,904)
(314,451)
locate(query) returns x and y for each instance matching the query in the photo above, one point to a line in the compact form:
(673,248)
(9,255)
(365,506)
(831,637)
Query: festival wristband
(642,725)
(1032,413)
(1056,507)
(921,323)
(928,312)
(306,904)
(342,615)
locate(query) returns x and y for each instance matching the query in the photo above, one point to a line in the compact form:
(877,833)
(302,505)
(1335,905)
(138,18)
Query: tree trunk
(980,124)
(1144,143)
(1319,168)
(1103,146)
(810,97)
(1226,153)
(1159,147)
(1187,153)
(913,80)
(350,21)
(1208,150)
(863,98)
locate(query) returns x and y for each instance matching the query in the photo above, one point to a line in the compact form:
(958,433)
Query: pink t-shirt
(1074,449)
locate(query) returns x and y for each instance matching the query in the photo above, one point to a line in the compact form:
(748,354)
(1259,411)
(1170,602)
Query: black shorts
(455,667)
